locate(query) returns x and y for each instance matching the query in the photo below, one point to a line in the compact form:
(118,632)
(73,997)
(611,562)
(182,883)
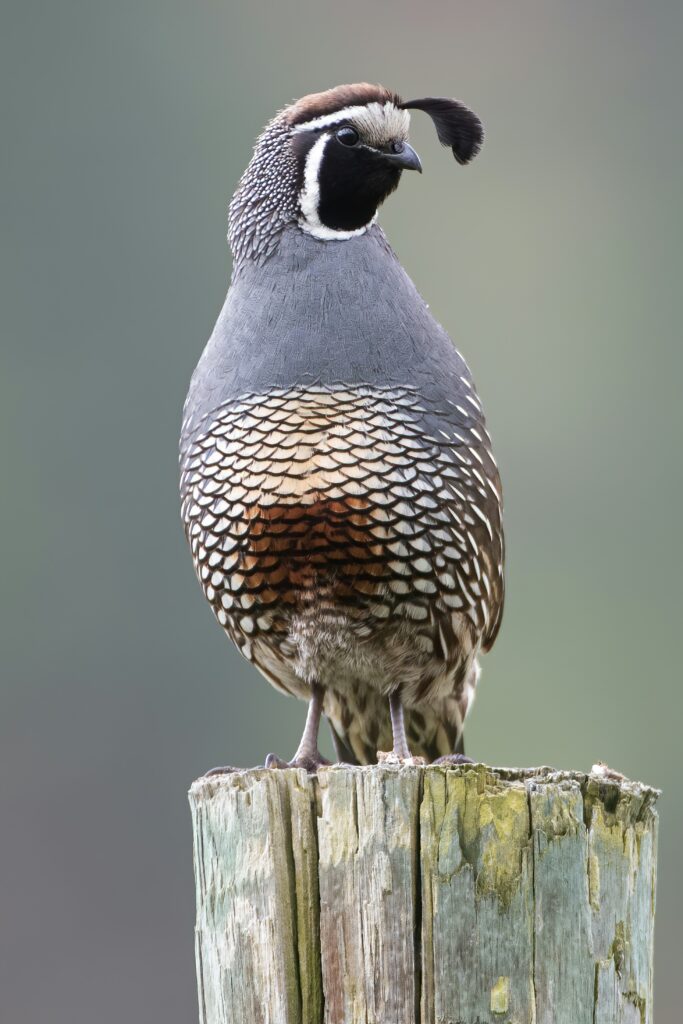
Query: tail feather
(358,737)
(341,748)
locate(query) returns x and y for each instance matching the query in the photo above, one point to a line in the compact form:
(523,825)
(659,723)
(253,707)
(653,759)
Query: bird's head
(329,160)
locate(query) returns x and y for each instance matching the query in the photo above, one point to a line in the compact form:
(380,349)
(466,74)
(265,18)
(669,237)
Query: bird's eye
(347,135)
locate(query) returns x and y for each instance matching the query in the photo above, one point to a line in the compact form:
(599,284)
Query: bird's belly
(325,531)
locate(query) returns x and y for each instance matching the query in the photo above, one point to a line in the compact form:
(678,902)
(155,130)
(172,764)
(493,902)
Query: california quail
(338,488)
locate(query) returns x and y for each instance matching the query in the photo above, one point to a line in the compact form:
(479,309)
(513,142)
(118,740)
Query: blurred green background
(555,263)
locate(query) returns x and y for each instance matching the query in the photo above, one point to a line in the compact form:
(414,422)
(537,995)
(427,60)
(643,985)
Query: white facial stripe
(310,193)
(376,121)
(347,114)
(310,197)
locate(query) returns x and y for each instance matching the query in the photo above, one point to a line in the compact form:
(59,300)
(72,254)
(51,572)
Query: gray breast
(326,313)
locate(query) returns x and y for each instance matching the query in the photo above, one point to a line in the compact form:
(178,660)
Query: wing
(464,544)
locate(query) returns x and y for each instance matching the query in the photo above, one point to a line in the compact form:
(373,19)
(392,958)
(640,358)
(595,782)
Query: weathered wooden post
(398,895)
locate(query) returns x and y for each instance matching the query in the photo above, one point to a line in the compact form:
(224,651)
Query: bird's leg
(307,751)
(307,755)
(398,729)
(401,752)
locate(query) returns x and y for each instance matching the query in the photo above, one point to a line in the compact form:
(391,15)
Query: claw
(309,762)
(225,770)
(273,761)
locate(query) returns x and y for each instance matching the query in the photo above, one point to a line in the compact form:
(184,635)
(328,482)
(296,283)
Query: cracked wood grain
(368,892)
(412,895)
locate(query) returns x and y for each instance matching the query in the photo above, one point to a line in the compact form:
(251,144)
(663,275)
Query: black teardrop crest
(456,125)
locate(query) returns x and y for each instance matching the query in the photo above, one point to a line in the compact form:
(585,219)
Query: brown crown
(318,104)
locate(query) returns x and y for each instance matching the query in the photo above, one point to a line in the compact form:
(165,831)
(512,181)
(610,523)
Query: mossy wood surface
(409,895)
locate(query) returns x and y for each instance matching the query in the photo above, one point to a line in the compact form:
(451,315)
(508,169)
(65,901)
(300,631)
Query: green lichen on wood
(640,1003)
(500,996)
(622,837)
(491,824)
(475,853)
(594,880)
(307,898)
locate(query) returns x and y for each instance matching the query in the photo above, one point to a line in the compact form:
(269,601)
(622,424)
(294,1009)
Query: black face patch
(353,182)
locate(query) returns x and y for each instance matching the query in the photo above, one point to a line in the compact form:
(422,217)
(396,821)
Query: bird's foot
(454,759)
(309,761)
(391,757)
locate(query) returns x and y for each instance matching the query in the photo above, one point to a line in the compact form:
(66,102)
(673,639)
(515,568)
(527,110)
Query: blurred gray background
(555,263)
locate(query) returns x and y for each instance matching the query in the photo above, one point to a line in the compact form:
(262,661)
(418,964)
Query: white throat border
(309,198)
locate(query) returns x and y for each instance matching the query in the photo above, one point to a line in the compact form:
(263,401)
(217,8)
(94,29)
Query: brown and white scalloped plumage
(346,529)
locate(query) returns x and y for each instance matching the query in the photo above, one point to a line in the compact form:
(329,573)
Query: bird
(338,488)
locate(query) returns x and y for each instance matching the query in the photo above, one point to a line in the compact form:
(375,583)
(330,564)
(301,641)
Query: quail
(338,489)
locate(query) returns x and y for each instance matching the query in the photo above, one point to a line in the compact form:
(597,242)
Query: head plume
(456,125)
